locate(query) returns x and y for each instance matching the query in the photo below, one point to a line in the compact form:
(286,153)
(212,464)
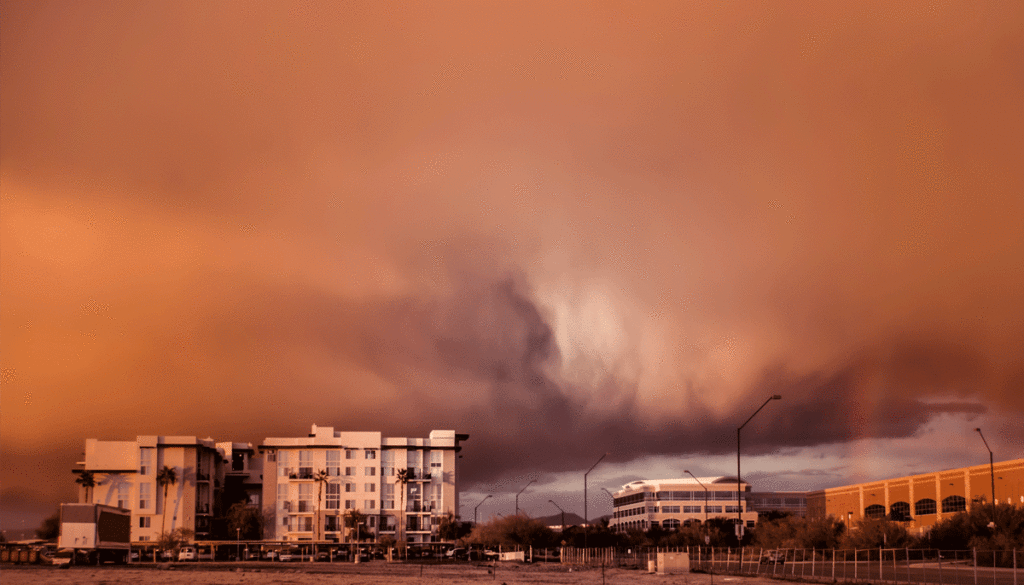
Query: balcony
(301,506)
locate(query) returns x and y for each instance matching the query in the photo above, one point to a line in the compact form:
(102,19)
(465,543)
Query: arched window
(924,506)
(899,512)
(953,504)
(670,524)
(874,511)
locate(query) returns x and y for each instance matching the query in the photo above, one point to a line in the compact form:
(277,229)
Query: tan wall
(848,502)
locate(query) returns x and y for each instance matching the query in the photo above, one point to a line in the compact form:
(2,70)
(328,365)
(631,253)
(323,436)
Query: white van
(187,553)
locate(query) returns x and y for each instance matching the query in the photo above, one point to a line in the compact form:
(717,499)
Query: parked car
(287,556)
(272,555)
(187,553)
(773,557)
(456,554)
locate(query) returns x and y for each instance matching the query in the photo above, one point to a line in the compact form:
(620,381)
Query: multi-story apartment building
(125,474)
(311,483)
(672,503)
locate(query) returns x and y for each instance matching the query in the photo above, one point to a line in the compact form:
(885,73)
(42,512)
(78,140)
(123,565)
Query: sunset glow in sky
(562,228)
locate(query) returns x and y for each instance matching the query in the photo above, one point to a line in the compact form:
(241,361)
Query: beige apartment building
(310,483)
(125,474)
(672,503)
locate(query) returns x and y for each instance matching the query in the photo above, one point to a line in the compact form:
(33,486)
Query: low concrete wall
(670,563)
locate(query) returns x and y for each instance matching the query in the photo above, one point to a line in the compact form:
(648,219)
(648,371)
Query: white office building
(671,503)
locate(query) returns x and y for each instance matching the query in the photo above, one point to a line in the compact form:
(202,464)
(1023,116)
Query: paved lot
(375,573)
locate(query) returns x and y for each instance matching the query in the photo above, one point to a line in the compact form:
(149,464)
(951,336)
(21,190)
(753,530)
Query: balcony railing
(300,506)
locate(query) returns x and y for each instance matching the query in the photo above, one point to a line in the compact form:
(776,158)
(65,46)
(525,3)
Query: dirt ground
(345,574)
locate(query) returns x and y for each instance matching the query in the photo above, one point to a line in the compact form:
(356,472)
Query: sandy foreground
(365,574)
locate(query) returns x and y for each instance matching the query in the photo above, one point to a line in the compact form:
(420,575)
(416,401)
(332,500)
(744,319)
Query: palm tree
(88,481)
(402,479)
(166,477)
(320,478)
(354,519)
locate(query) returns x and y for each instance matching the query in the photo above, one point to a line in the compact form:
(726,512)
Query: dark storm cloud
(564,229)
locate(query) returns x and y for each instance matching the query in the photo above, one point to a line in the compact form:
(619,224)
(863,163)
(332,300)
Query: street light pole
(477,506)
(705,499)
(739,492)
(992,473)
(521,491)
(586,516)
(560,510)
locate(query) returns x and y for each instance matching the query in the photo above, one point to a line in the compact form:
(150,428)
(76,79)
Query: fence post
(833,564)
(881,566)
(939,557)
(907,552)
(975,549)
(856,561)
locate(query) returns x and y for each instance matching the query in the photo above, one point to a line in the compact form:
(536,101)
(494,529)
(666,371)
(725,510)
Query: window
(123,495)
(145,495)
(371,504)
(305,465)
(670,524)
(282,495)
(672,509)
(350,504)
(371,472)
(143,538)
(874,511)
(732,509)
(924,506)
(387,463)
(350,453)
(285,522)
(388,496)
(414,459)
(899,512)
(370,453)
(144,521)
(305,497)
(436,459)
(237,461)
(692,509)
(350,487)
(272,456)
(282,464)
(370,487)
(350,471)
(333,496)
(305,523)
(145,461)
(714,509)
(334,463)
(331,524)
(371,521)
(953,504)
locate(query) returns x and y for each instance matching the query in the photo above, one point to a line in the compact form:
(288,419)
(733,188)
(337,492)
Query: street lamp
(521,491)
(992,473)
(739,492)
(560,510)
(238,543)
(586,516)
(705,499)
(477,506)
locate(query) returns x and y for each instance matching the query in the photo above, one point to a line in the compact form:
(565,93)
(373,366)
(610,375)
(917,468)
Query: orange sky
(601,227)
